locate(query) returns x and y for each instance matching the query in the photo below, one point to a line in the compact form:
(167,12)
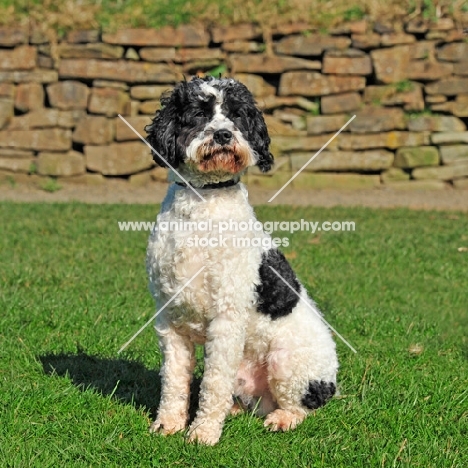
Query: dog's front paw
(283,420)
(168,425)
(204,432)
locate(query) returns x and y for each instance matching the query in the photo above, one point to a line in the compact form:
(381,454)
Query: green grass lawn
(73,289)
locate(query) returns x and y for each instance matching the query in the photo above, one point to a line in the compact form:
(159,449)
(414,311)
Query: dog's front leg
(176,375)
(223,354)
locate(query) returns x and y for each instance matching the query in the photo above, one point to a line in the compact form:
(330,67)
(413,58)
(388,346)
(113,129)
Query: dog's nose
(222,136)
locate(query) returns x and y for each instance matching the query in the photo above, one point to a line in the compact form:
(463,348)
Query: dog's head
(211,130)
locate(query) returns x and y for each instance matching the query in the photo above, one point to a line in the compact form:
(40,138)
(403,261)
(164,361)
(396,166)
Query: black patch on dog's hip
(318,394)
(275,297)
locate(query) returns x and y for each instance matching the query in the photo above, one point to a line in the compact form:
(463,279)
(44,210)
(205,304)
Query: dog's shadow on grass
(129,382)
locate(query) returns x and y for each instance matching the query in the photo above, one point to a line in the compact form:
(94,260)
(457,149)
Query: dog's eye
(200,114)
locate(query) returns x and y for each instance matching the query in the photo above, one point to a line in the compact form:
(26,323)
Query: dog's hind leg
(302,370)
(176,375)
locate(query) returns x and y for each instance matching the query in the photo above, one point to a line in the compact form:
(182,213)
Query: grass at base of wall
(110,15)
(74,289)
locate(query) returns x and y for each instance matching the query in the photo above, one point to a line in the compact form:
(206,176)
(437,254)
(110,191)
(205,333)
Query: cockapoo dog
(264,346)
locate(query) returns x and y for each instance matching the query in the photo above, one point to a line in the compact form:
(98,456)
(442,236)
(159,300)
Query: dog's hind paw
(283,420)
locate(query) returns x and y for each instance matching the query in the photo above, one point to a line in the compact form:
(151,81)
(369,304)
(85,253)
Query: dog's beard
(213,158)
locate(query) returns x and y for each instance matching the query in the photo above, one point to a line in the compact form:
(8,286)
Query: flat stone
(158,54)
(454,154)
(391,140)
(314,84)
(394,174)
(417,25)
(6,111)
(159,174)
(273,102)
(412,101)
(417,185)
(118,158)
(242,47)
(267,181)
(436,123)
(200,67)
(70,118)
(448,86)
(319,124)
(107,101)
(337,161)
(42,118)
(16,165)
(287,144)
(124,133)
(13,36)
(407,158)
(183,36)
(256,84)
(260,63)
(436,99)
(422,50)
(294,117)
(335,181)
(110,84)
(276,127)
(442,24)
(29,96)
(39,75)
(38,140)
(366,41)
(132,54)
(391,65)
(394,39)
(60,164)
(461,68)
(80,36)
(186,54)
(16,154)
(347,65)
(141,179)
(20,58)
(143,93)
(119,70)
(424,70)
(67,95)
(90,51)
(94,130)
(461,184)
(149,107)
(378,119)
(459,107)
(350,27)
(455,52)
(449,137)
(454,171)
(7,90)
(339,103)
(89,179)
(312,45)
(45,62)
(239,32)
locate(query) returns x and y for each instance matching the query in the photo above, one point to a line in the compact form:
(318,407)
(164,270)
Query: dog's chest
(195,237)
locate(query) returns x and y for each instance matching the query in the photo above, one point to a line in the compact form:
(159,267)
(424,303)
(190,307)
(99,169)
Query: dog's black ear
(163,130)
(260,140)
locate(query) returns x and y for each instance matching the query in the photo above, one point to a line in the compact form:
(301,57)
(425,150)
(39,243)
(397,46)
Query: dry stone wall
(407,86)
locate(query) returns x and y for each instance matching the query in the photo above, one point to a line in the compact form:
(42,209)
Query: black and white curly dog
(264,347)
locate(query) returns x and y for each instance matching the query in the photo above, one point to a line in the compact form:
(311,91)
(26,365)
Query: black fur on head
(190,110)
